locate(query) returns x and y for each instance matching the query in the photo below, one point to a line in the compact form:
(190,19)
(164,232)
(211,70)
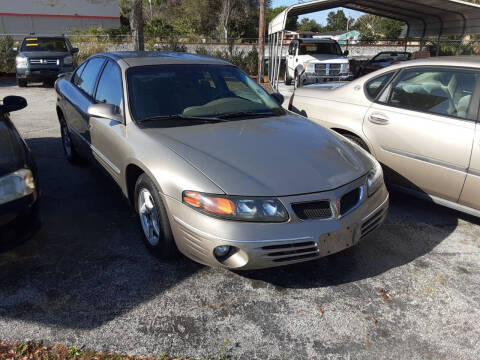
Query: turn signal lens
(237,208)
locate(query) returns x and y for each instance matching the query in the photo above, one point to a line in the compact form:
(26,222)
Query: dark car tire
(49,83)
(288,79)
(67,144)
(163,244)
(22,82)
(358,141)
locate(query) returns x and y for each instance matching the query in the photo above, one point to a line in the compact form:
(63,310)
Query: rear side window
(109,90)
(89,75)
(440,91)
(375,86)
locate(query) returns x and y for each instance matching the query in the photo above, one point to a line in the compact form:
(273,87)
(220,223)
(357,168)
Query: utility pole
(261,35)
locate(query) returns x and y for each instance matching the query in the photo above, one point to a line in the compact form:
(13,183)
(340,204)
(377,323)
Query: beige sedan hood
(275,156)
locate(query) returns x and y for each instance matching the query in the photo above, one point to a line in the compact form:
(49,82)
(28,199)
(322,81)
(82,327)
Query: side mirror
(75,50)
(279,98)
(300,70)
(13,103)
(15,49)
(346,53)
(105,111)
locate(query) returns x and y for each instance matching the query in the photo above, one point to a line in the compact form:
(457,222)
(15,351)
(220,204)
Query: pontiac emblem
(336,209)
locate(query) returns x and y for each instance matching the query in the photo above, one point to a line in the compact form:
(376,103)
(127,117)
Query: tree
(307,24)
(337,21)
(137,24)
(372,27)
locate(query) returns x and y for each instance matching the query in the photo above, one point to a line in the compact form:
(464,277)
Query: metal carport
(434,18)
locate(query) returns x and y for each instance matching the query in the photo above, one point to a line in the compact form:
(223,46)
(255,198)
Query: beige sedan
(213,165)
(418,118)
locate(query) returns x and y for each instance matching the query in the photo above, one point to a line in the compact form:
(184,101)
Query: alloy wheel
(148,213)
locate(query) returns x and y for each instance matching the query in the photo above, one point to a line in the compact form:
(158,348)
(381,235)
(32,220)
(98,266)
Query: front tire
(288,79)
(70,152)
(22,82)
(158,236)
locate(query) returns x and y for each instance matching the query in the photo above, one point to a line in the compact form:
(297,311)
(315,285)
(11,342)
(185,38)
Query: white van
(322,60)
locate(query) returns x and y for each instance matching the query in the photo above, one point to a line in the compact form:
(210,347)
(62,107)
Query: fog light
(221,251)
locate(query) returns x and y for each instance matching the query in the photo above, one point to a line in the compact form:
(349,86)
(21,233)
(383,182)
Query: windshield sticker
(31,39)
(32,44)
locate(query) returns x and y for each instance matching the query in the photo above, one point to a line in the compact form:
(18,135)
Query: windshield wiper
(183,117)
(240,114)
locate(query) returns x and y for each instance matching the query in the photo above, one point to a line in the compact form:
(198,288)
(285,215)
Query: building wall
(56,16)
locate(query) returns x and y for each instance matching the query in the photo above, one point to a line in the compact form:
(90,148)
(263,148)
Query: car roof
(142,58)
(463,61)
(45,36)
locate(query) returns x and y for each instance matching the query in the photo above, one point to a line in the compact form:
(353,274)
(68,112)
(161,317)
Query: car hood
(327,58)
(11,155)
(276,156)
(44,54)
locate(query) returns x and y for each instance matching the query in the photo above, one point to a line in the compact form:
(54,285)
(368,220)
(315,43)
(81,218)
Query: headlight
(345,68)
(375,178)
(21,61)
(309,67)
(237,208)
(16,185)
(68,60)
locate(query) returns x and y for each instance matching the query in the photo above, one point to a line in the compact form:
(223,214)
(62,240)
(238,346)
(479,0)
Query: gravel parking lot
(410,291)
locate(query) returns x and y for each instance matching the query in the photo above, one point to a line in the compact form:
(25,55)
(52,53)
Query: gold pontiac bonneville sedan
(213,165)
(419,118)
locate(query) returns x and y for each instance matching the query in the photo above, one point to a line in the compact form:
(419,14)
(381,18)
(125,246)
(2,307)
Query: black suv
(42,58)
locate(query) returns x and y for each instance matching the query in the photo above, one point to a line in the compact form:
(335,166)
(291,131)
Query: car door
(108,135)
(422,129)
(81,98)
(471,190)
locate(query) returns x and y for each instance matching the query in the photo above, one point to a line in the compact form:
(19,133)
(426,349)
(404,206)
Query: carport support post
(280,59)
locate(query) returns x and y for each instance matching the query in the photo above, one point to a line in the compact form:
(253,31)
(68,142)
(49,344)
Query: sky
(321,16)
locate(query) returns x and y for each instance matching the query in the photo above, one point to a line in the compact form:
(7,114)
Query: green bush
(7,55)
(245,60)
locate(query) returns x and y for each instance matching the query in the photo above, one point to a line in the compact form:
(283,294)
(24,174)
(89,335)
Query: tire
(67,144)
(22,82)
(357,140)
(288,80)
(49,83)
(153,218)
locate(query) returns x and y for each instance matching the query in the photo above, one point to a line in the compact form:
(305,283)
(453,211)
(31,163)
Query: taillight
(290,103)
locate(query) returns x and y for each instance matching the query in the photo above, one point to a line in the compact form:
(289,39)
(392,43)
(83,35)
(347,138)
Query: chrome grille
(328,69)
(291,252)
(44,61)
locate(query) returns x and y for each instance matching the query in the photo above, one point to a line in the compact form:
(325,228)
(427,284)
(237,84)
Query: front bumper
(19,219)
(312,78)
(41,73)
(264,245)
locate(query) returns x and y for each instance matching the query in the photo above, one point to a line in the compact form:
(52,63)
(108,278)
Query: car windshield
(319,48)
(181,91)
(44,44)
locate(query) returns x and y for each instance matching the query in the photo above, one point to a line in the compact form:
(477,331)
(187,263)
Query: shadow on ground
(88,264)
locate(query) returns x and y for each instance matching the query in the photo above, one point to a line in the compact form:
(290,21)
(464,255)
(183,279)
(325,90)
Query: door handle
(379,119)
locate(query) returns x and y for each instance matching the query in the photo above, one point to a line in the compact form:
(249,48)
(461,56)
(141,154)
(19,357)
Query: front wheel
(153,218)
(22,82)
(68,148)
(288,79)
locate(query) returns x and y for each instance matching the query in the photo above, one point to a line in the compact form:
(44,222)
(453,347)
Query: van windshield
(319,48)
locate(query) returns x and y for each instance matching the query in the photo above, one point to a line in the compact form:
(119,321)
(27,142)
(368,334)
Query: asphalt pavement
(409,291)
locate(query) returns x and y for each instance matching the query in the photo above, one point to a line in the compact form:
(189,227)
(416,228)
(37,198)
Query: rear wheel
(22,82)
(68,148)
(357,140)
(153,218)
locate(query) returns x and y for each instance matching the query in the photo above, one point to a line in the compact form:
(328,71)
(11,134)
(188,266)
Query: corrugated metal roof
(423,17)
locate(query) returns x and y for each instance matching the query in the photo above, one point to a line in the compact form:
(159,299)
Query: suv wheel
(68,148)
(22,82)
(153,218)
(288,79)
